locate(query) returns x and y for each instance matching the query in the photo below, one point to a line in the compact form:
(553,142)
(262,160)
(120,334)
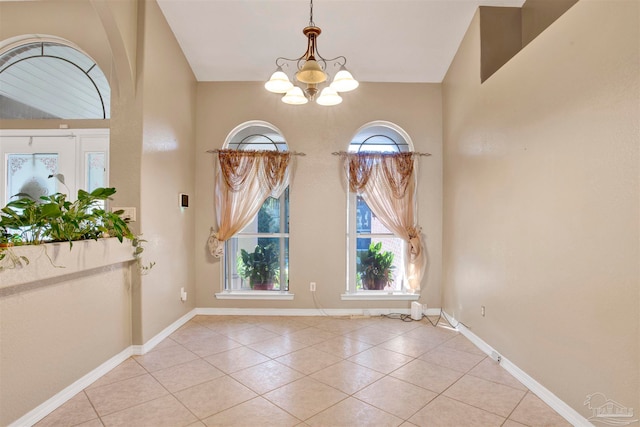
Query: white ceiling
(383,40)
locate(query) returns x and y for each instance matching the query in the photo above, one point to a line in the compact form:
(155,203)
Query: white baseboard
(44,409)
(146,347)
(303,311)
(564,410)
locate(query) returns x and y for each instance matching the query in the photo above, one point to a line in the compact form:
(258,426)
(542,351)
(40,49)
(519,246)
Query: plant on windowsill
(261,267)
(55,219)
(375,268)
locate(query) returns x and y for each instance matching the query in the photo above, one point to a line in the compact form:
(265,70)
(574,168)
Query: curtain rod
(293,153)
(344,153)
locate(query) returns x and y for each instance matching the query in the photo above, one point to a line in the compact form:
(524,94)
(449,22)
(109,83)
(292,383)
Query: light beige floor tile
(395,396)
(353,413)
(197,424)
(347,376)
(283,326)
(163,412)
(228,327)
(312,320)
(278,346)
(396,326)
(409,346)
(342,346)
(210,345)
(373,335)
(431,334)
(165,358)
(510,423)
(255,412)
(209,398)
(236,359)
(165,343)
(127,369)
(534,412)
(76,410)
(408,424)
(490,370)
(193,331)
(380,359)
(266,376)
(453,359)
(187,374)
(492,397)
(93,423)
(308,360)
(461,343)
(311,335)
(445,412)
(124,394)
(432,377)
(339,325)
(311,397)
(251,335)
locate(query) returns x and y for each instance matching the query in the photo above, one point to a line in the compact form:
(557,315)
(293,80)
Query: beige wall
(167,169)
(318,201)
(537,15)
(541,180)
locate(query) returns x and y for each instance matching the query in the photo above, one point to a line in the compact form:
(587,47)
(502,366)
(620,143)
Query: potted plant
(261,267)
(375,268)
(55,219)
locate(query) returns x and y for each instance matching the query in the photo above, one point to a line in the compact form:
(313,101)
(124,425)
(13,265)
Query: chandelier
(311,71)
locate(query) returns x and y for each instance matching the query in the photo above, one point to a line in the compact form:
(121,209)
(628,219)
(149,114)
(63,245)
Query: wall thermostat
(184,200)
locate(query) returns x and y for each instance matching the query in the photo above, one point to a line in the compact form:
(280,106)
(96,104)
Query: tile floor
(307,371)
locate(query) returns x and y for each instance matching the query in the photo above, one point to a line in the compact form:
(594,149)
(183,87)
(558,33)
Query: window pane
(28,174)
(257,263)
(379,264)
(366,221)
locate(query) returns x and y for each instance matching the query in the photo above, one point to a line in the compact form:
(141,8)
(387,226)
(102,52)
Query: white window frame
(351,292)
(228,263)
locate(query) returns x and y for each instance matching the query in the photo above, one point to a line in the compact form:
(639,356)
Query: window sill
(256,295)
(380,296)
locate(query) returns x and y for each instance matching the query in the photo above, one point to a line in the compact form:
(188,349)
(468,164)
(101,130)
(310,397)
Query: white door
(29,161)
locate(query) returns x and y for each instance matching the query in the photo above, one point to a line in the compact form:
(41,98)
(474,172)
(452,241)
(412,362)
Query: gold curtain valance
(396,167)
(236,164)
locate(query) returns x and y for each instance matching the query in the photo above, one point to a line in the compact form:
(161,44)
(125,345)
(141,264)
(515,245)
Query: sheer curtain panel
(243,181)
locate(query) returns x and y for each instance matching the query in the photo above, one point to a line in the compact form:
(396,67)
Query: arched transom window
(45,79)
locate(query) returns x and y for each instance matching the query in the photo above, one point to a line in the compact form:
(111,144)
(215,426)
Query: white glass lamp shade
(311,73)
(344,81)
(279,82)
(329,97)
(294,97)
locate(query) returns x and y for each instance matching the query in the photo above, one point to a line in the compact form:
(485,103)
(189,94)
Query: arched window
(266,239)
(51,79)
(367,237)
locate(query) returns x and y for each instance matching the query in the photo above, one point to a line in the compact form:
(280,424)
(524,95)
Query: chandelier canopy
(311,71)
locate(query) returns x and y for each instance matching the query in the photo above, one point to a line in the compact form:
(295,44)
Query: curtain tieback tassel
(214,244)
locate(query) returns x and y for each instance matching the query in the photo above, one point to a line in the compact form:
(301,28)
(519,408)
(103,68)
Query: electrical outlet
(482,310)
(183,295)
(128,214)
(312,286)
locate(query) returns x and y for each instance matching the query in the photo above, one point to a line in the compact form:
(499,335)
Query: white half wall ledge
(51,262)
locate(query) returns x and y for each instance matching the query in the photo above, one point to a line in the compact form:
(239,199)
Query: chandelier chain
(311,23)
